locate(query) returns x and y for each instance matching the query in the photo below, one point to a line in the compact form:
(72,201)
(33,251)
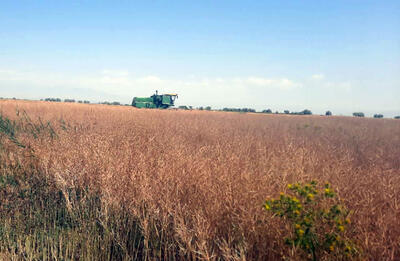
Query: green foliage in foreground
(317,221)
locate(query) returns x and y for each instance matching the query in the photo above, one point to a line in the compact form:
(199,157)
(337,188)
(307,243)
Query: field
(96,182)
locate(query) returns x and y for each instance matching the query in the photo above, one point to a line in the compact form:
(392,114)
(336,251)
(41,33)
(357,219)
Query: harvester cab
(162,101)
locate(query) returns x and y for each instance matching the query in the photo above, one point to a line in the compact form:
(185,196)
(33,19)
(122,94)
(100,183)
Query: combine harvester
(162,101)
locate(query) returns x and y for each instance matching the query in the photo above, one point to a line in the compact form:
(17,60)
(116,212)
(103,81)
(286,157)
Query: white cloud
(151,79)
(237,91)
(346,86)
(115,72)
(318,76)
(121,85)
(259,81)
(217,91)
(120,78)
(283,83)
(319,81)
(7,72)
(32,78)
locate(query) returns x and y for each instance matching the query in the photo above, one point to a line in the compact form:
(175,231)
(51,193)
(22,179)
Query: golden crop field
(96,182)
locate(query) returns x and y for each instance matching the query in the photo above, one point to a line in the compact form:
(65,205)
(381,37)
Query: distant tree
(80,101)
(69,100)
(306,112)
(358,114)
(277,112)
(200,108)
(237,109)
(53,99)
(86,102)
(115,103)
(267,111)
(378,116)
(183,107)
(247,110)
(397,117)
(208,108)
(328,113)
(286,111)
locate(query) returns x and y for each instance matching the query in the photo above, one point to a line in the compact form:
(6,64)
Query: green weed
(317,221)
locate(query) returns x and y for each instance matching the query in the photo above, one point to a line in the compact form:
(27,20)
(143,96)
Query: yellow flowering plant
(317,220)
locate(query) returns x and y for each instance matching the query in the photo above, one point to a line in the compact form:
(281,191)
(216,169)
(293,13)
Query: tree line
(65,100)
(208,108)
(80,101)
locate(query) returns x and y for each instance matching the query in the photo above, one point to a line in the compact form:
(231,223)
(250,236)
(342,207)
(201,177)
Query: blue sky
(338,55)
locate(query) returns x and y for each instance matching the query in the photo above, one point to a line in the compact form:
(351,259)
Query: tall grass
(109,182)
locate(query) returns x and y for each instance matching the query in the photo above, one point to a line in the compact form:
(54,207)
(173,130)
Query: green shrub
(183,107)
(316,219)
(358,114)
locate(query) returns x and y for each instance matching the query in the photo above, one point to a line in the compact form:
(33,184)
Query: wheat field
(119,183)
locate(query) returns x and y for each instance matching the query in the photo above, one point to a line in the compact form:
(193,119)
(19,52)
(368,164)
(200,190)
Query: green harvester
(162,101)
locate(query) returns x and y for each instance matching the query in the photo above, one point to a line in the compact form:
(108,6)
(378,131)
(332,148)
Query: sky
(342,56)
